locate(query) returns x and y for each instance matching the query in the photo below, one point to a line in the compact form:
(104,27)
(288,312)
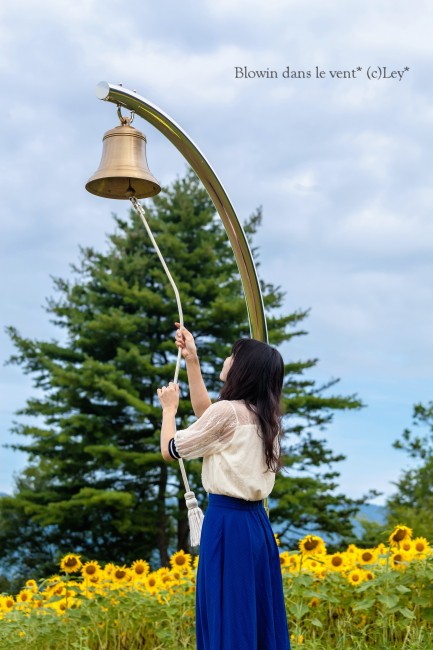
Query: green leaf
(407,613)
(389,600)
(366,603)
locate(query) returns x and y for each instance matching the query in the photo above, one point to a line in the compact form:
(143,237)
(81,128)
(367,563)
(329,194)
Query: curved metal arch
(253,296)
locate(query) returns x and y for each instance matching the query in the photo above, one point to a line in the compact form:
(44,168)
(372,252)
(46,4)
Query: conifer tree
(95,481)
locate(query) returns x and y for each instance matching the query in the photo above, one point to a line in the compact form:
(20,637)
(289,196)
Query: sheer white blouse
(227,437)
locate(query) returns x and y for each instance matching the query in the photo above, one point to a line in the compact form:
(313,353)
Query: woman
(239,602)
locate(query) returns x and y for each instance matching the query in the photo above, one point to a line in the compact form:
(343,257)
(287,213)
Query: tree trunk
(161,532)
(182,523)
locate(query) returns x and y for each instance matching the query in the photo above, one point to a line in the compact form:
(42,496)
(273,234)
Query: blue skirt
(240,603)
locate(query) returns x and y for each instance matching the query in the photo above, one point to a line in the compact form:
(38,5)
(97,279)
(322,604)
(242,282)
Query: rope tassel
(195,515)
(195,519)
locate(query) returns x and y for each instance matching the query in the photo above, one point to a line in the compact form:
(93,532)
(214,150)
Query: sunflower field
(356,599)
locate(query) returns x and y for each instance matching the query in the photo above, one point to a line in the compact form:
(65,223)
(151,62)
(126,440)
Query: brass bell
(123,171)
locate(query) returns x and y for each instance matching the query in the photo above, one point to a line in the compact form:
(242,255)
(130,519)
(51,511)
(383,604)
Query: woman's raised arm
(200,399)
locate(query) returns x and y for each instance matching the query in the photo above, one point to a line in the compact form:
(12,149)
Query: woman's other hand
(185,341)
(169,397)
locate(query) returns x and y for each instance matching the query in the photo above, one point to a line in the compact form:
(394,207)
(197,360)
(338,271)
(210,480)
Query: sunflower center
(90,570)
(311,544)
(367,556)
(337,561)
(399,535)
(71,562)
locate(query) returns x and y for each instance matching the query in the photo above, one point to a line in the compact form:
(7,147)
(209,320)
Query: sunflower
(399,560)
(7,602)
(167,578)
(25,596)
(311,564)
(70,563)
(277,539)
(121,575)
(140,569)
(399,534)
(336,562)
(177,575)
(355,577)
(314,602)
(58,590)
(284,559)
(108,569)
(60,606)
(293,562)
(420,545)
(382,553)
(180,560)
(32,584)
(312,545)
(95,578)
(152,583)
(90,569)
(367,556)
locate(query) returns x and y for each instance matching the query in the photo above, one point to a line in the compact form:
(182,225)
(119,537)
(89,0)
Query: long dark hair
(256,376)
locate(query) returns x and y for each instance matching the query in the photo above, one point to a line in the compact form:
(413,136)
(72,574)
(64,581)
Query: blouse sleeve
(210,433)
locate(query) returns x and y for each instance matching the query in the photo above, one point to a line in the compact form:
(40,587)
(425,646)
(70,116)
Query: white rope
(195,515)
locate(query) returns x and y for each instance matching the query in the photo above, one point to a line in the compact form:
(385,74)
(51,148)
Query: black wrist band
(172,449)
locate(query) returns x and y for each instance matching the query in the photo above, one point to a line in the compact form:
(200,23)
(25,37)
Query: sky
(333,139)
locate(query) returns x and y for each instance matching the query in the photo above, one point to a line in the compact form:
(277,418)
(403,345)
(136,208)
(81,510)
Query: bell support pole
(162,122)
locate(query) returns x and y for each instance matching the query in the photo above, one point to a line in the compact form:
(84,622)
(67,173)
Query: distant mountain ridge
(367,512)
(372,512)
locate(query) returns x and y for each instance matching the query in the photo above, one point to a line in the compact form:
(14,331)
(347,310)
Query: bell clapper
(130,192)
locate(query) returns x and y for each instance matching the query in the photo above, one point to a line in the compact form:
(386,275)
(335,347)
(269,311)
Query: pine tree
(95,481)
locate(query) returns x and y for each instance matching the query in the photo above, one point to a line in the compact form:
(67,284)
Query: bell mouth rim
(93,187)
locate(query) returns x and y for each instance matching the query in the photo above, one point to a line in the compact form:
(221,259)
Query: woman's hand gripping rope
(184,341)
(169,397)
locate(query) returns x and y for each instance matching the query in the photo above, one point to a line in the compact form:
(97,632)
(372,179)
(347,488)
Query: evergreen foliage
(95,482)
(413,501)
